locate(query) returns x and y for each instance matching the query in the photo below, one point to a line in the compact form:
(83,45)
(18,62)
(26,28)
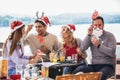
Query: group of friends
(101,42)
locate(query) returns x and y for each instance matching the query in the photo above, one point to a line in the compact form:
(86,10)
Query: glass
(26,74)
(51,56)
(74,57)
(55,57)
(3,68)
(47,72)
(34,73)
(62,56)
(19,69)
(43,71)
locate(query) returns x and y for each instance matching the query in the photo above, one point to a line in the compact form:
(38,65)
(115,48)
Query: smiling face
(41,29)
(65,32)
(98,24)
(98,28)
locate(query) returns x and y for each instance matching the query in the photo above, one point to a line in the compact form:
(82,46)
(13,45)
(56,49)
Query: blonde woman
(71,45)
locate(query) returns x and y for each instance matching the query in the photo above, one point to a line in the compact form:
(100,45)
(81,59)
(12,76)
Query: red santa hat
(16,25)
(45,20)
(71,27)
(95,14)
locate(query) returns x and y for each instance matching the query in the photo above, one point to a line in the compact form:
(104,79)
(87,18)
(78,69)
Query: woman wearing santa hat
(71,45)
(13,48)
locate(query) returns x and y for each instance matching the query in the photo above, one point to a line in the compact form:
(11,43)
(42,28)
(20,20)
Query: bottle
(43,72)
(3,68)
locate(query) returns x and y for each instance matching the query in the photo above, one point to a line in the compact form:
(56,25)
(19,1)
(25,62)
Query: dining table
(59,66)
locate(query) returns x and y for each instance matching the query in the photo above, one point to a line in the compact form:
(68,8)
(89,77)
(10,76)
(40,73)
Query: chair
(84,76)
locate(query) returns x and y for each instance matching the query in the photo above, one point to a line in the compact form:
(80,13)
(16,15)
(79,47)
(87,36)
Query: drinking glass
(3,68)
(62,56)
(55,57)
(19,69)
(43,71)
(74,57)
(51,56)
(47,72)
(34,73)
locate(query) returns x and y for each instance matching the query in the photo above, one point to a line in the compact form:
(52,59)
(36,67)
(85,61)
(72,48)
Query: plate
(69,59)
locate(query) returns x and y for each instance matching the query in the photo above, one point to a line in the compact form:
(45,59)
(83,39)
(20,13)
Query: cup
(51,56)
(43,71)
(34,73)
(19,69)
(46,72)
(3,68)
(74,57)
(62,56)
(55,57)
(55,60)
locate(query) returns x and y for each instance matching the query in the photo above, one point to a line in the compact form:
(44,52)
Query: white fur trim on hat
(69,28)
(17,27)
(42,21)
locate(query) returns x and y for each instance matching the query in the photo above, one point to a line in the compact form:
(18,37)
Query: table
(67,64)
(57,68)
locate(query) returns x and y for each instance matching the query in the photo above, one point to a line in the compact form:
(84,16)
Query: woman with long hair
(72,45)
(13,48)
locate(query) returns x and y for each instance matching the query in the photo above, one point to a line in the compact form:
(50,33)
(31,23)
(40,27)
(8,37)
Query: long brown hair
(15,37)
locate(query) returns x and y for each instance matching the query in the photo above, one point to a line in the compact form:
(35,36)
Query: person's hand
(83,55)
(37,56)
(32,61)
(29,27)
(44,49)
(90,30)
(79,51)
(95,41)
(63,49)
(39,53)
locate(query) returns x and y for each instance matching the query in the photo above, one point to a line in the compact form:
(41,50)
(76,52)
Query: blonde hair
(15,37)
(72,39)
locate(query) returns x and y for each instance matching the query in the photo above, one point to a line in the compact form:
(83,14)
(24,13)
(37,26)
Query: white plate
(69,59)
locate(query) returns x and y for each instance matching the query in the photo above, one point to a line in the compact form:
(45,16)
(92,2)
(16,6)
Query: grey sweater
(105,53)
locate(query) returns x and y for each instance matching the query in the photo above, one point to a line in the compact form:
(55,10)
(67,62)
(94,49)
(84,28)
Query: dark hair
(99,17)
(40,21)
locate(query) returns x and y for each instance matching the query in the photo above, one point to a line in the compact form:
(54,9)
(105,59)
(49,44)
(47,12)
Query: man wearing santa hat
(43,40)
